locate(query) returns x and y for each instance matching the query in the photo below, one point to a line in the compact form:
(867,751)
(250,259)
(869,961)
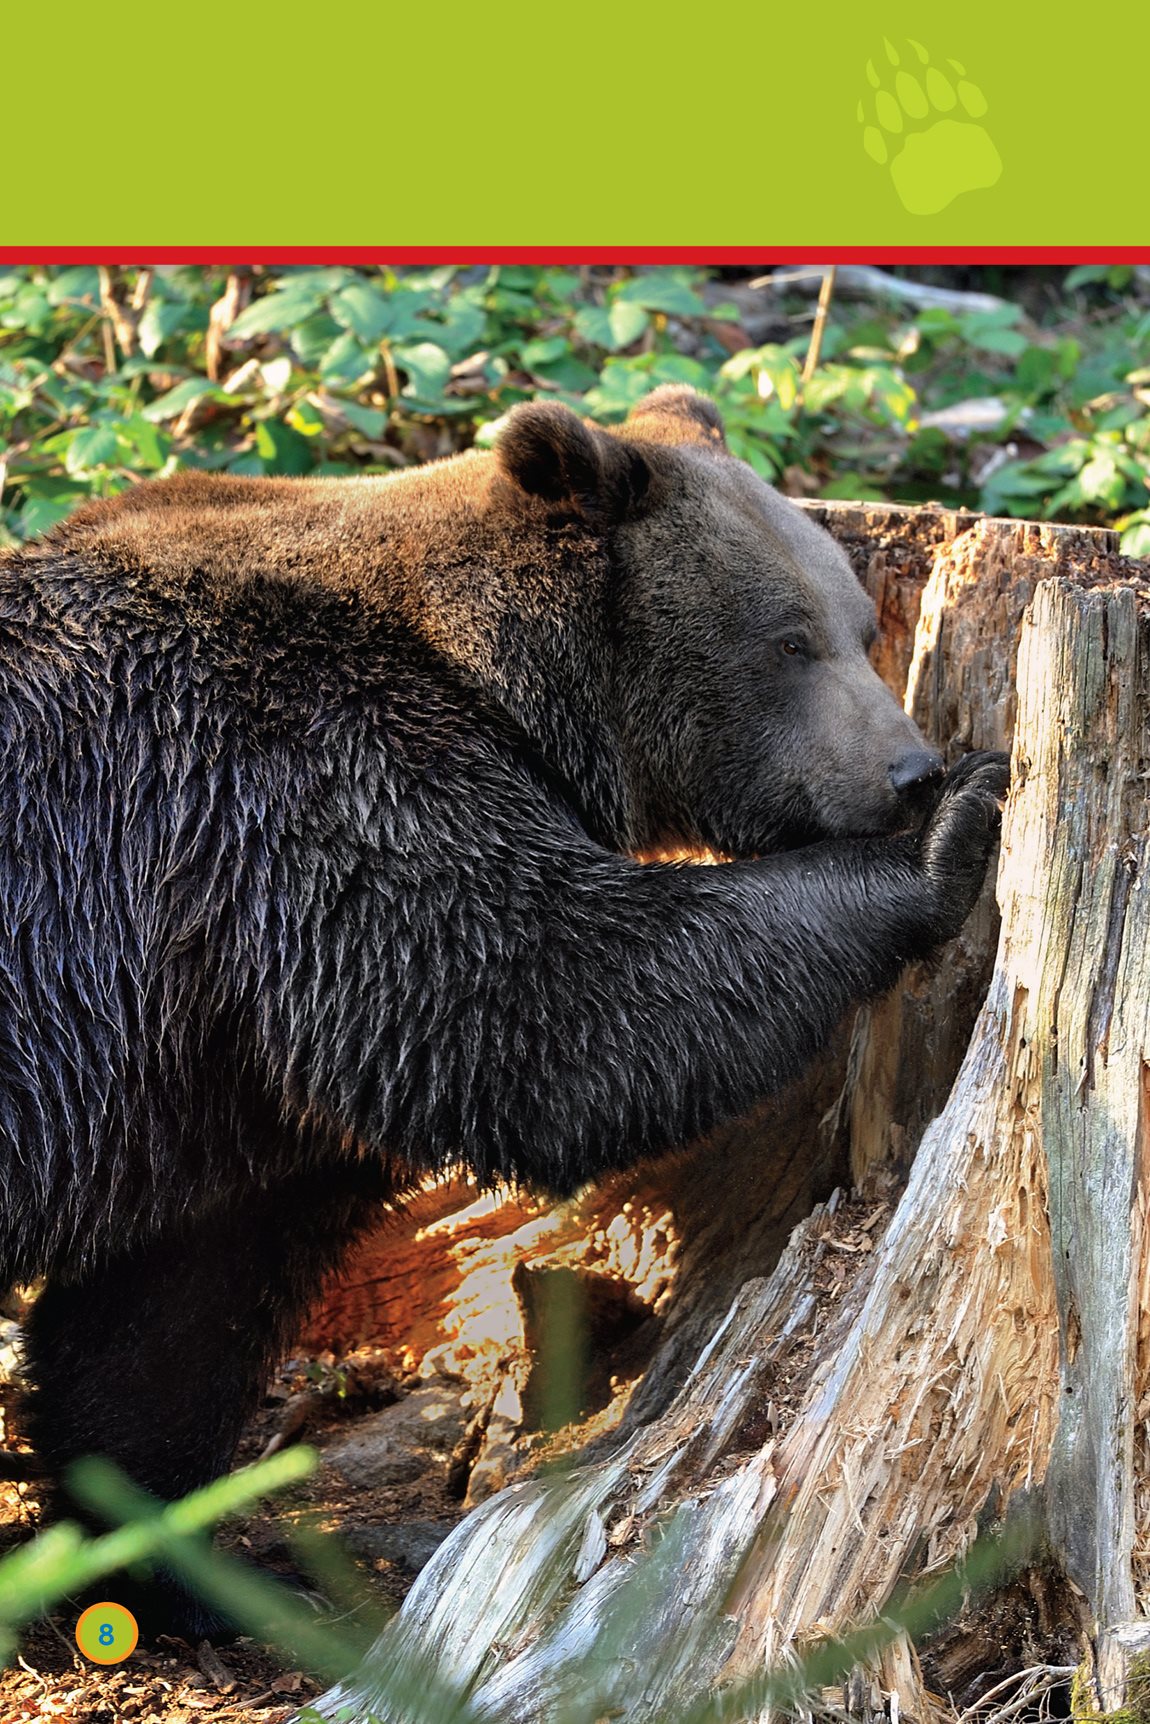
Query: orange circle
(118,1627)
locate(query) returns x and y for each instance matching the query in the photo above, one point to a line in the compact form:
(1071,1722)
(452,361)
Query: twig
(1038,1679)
(223,314)
(214,1668)
(812,359)
(391,373)
(141,290)
(297,1413)
(120,319)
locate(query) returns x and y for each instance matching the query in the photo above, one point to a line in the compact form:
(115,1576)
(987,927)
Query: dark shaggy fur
(319,803)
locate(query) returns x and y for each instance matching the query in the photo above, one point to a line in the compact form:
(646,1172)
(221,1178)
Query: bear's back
(363,536)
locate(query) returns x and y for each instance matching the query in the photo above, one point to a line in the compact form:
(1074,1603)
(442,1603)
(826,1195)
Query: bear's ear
(674,414)
(550,452)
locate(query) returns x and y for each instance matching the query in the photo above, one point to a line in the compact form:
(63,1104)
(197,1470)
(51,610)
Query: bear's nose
(914,770)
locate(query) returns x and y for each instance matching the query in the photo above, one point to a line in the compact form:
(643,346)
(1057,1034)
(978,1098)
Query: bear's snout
(915,771)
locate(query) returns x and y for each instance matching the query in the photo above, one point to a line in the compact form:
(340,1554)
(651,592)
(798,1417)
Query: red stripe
(766,254)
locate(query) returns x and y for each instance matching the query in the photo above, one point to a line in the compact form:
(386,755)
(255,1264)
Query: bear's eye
(793,648)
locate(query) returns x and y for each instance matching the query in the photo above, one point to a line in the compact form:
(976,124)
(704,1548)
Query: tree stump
(968,1331)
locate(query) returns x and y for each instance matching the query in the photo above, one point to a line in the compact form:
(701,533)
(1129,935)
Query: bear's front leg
(512,997)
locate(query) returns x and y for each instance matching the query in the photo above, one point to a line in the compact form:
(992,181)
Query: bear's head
(747,713)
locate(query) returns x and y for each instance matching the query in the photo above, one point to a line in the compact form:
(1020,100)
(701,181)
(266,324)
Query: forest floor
(388,1530)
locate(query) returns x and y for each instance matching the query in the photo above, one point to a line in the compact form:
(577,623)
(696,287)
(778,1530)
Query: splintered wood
(853,1417)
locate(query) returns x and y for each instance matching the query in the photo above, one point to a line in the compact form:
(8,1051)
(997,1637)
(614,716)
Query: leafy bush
(111,376)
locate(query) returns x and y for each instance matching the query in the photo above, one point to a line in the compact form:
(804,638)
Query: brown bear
(320,810)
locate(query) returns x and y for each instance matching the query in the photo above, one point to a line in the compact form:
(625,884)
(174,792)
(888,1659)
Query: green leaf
(612,327)
(563,285)
(372,421)
(996,340)
(936,320)
(1016,480)
(763,457)
(677,368)
(93,447)
(1135,541)
(1119,416)
(428,369)
(524,276)
(408,321)
(1085,275)
(30,311)
(1101,480)
(628,322)
(171,405)
(464,326)
(1067,457)
(662,293)
(1068,500)
(825,388)
(39,514)
(364,311)
(1037,372)
(312,338)
(1069,356)
(593,324)
(283,310)
(740,364)
(620,385)
(536,353)
(775,373)
(568,372)
(81,283)
(306,418)
(854,488)
(1003,316)
(163,318)
(146,445)
(321,280)
(281,449)
(346,361)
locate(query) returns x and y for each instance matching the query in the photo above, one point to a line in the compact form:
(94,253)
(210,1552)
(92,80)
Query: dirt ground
(172,1682)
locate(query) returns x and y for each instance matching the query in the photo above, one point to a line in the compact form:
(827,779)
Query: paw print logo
(921,121)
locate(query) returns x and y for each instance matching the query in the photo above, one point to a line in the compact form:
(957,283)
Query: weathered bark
(960,689)
(856,1414)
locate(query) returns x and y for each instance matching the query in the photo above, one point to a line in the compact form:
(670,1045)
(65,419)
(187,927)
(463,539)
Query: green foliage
(337,370)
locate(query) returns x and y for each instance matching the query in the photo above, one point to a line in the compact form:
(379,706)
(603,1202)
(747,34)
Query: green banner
(599,125)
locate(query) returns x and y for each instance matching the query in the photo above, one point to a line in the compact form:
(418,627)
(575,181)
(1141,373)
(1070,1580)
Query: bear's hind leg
(155,1358)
